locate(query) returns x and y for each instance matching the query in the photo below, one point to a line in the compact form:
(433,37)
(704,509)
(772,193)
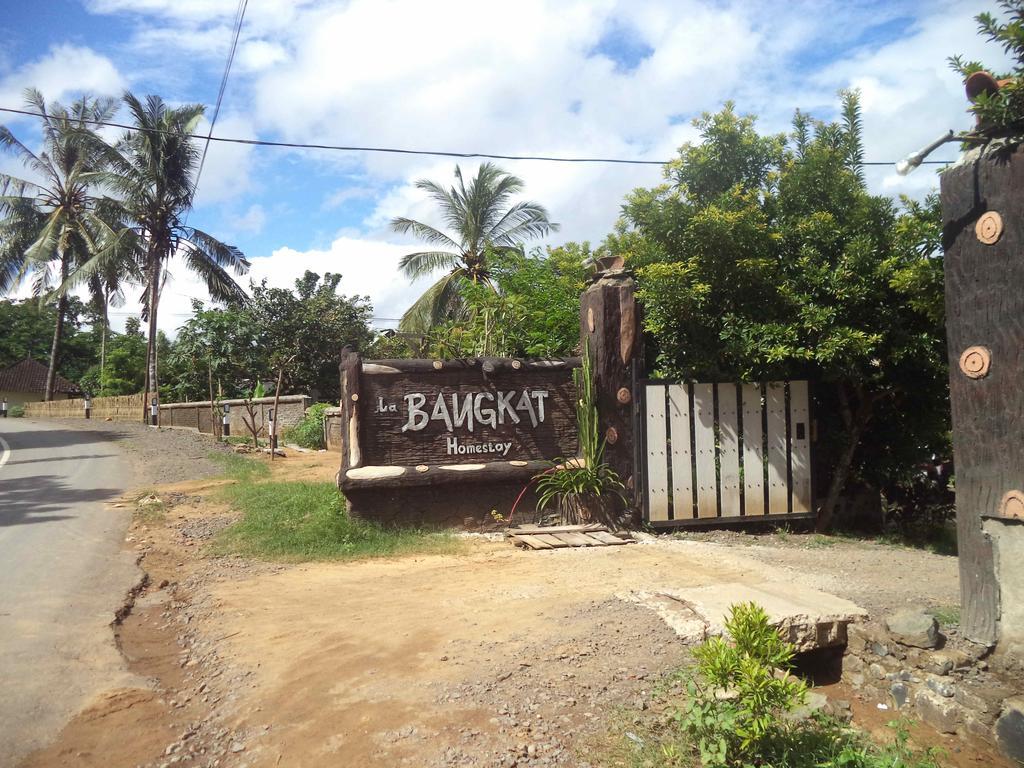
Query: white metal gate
(721,452)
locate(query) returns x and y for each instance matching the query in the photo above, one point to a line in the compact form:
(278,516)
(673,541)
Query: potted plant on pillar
(583,489)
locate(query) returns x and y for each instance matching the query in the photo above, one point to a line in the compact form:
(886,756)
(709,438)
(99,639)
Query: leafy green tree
(1001,112)
(52,226)
(530,308)
(764,257)
(301,332)
(152,173)
(483,222)
(28,330)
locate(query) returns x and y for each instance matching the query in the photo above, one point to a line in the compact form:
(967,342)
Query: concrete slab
(807,618)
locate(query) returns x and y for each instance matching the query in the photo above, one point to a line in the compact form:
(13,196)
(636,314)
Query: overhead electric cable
(239,18)
(428,152)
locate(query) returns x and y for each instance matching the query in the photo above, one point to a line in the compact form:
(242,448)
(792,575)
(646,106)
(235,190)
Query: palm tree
(152,176)
(481,222)
(53,225)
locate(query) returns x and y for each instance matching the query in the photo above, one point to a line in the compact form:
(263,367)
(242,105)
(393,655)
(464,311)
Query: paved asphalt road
(62,576)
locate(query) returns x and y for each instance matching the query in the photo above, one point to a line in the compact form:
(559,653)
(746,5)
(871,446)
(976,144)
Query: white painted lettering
(485,416)
(539,396)
(417,417)
(505,406)
(463,417)
(526,404)
(441,412)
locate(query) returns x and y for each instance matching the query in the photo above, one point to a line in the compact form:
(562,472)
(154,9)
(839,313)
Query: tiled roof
(30,376)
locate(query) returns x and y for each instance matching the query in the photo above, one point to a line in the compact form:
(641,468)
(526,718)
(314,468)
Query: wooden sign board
(466,416)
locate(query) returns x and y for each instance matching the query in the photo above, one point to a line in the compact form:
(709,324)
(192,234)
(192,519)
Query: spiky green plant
(576,486)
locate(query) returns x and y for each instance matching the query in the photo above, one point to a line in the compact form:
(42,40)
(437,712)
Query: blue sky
(620,78)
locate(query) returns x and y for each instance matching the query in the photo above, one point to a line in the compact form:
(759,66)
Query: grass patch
(149,508)
(946,615)
(298,521)
(239,467)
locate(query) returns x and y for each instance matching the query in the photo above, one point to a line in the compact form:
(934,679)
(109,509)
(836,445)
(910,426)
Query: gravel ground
(881,578)
(158,455)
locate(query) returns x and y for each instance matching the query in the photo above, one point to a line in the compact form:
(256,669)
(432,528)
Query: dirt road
(495,657)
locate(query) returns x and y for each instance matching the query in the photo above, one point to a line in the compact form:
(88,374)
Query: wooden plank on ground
(800,446)
(657,448)
(577,539)
(530,528)
(549,538)
(606,538)
(682,459)
(706,478)
(729,450)
(533,542)
(753,451)
(778,492)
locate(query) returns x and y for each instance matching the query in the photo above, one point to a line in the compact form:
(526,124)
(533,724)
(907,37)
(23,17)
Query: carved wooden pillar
(610,328)
(982,211)
(351,369)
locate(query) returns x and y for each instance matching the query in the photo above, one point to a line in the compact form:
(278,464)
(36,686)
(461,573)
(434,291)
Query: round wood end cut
(516,364)
(438,365)
(1012,505)
(355,396)
(422,467)
(611,435)
(623,395)
(975,362)
(989,227)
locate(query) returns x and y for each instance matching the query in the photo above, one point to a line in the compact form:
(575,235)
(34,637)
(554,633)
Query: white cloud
(66,70)
(404,73)
(228,169)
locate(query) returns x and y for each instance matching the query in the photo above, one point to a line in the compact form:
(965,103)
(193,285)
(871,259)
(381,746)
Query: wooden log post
(351,369)
(982,213)
(610,329)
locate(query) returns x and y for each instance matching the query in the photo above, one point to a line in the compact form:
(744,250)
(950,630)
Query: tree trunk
(58,333)
(103,339)
(277,416)
(152,380)
(855,424)
(214,422)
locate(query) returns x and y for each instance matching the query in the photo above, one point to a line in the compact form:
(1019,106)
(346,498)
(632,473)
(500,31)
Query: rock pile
(946,683)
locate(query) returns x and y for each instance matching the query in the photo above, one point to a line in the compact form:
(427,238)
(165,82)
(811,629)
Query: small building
(25,382)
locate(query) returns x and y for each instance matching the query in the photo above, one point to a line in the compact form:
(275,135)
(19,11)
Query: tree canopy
(765,257)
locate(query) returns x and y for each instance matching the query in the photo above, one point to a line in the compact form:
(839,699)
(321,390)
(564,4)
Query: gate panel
(745,453)
(800,446)
(657,449)
(778,488)
(704,442)
(729,450)
(753,451)
(682,464)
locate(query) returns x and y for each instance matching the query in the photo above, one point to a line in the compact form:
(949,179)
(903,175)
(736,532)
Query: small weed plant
(576,487)
(741,711)
(740,691)
(309,432)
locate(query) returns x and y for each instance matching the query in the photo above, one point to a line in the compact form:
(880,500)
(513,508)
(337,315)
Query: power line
(239,18)
(427,152)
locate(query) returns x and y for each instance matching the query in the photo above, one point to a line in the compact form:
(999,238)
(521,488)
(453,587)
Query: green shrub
(309,433)
(16,411)
(739,713)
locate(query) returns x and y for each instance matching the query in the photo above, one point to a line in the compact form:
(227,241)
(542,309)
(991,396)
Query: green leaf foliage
(1002,112)
(766,258)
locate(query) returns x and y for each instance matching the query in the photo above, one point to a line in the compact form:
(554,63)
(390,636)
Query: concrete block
(807,618)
